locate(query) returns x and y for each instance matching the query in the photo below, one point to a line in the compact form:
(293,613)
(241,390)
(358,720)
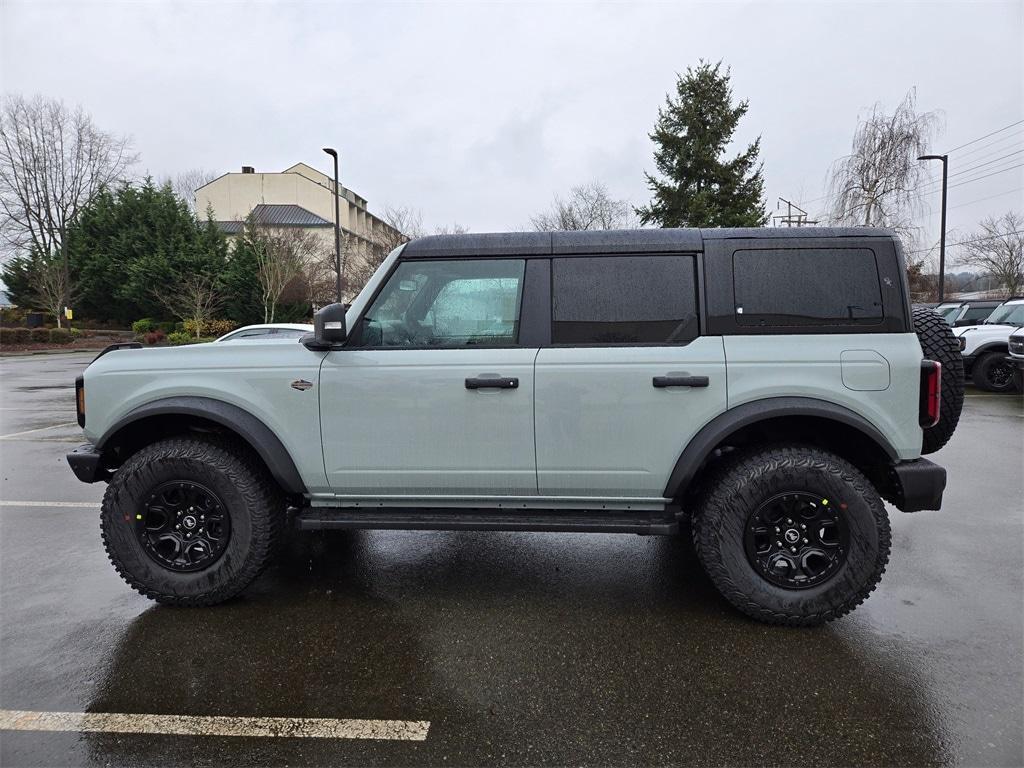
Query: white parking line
(40,429)
(190,725)
(82,504)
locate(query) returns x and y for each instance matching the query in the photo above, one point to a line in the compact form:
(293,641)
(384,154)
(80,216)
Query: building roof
(276,216)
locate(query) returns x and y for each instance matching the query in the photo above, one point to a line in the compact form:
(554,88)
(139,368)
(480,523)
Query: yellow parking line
(192,725)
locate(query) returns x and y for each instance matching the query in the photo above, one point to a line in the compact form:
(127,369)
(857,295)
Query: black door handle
(680,381)
(493,382)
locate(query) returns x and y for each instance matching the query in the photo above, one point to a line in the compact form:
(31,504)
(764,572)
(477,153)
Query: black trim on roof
(611,241)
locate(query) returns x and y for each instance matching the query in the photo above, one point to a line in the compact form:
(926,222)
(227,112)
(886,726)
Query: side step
(457,519)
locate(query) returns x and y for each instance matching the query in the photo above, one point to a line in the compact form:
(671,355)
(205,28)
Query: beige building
(300,196)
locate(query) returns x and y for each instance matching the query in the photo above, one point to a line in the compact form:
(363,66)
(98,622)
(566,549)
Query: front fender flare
(238,420)
(718,429)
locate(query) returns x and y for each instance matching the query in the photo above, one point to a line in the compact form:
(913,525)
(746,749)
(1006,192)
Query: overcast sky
(477,113)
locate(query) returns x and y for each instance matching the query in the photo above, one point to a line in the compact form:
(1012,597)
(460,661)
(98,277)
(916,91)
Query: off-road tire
(747,481)
(254,503)
(939,344)
(981,373)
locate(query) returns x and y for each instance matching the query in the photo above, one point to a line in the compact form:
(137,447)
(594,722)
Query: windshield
(950,313)
(1008,314)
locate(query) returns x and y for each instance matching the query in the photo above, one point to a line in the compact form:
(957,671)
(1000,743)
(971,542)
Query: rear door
(628,378)
(433,394)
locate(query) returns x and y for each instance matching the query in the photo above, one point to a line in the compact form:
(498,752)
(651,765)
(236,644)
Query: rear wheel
(189,521)
(994,373)
(792,535)
(939,344)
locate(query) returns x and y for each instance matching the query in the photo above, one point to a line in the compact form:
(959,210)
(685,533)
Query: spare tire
(939,344)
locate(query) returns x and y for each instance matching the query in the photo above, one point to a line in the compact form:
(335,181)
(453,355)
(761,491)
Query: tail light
(80,400)
(931,393)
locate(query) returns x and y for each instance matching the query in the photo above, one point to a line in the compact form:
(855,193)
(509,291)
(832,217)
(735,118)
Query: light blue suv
(766,387)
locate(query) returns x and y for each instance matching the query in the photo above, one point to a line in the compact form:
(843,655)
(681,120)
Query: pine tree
(698,186)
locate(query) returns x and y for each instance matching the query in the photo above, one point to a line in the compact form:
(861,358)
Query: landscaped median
(29,340)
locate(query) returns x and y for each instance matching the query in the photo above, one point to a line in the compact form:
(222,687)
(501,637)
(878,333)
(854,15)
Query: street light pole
(942,234)
(337,224)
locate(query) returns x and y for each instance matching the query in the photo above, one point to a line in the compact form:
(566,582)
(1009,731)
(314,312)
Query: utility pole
(942,233)
(337,224)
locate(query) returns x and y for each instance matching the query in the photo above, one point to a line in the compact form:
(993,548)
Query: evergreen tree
(132,241)
(698,186)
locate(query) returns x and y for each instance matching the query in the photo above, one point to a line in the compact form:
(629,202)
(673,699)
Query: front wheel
(994,373)
(190,521)
(792,535)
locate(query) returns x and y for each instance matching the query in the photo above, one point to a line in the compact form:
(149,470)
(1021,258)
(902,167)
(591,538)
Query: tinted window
(624,300)
(807,286)
(446,304)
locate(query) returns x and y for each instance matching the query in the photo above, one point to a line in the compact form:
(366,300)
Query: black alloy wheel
(797,539)
(183,526)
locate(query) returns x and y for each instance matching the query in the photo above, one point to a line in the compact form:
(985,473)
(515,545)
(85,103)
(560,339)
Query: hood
(997,327)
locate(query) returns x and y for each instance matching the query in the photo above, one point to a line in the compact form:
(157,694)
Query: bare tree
(50,287)
(187,182)
(193,299)
(876,184)
(997,248)
(283,255)
(53,161)
(588,206)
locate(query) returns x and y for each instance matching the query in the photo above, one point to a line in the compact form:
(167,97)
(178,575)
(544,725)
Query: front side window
(458,303)
(807,287)
(624,300)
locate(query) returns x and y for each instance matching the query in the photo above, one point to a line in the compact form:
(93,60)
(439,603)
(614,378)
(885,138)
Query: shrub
(12,316)
(77,333)
(14,336)
(178,338)
(155,337)
(145,325)
(209,327)
(59,336)
(39,336)
(167,326)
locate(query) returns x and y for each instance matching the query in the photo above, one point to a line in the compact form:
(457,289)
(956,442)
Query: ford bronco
(761,389)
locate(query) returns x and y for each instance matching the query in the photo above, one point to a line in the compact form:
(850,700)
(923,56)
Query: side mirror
(328,329)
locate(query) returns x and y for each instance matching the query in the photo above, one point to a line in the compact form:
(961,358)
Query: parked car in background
(985,348)
(948,310)
(268,332)
(973,312)
(1017,352)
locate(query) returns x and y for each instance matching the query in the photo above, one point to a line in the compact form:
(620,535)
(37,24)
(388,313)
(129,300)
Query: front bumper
(87,464)
(918,485)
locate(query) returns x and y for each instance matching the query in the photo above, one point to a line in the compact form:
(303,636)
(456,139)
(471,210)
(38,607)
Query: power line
(974,240)
(990,197)
(975,141)
(924,190)
(1012,138)
(971,169)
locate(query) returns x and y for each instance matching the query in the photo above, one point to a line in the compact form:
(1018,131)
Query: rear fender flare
(722,426)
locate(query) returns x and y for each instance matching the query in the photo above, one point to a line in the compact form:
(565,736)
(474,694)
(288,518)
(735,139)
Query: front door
(433,395)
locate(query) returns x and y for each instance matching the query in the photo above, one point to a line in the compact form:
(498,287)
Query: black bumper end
(87,464)
(918,484)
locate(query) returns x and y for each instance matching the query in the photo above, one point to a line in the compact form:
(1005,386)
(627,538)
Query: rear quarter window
(807,287)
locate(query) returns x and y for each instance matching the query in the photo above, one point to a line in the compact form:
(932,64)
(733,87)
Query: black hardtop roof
(612,240)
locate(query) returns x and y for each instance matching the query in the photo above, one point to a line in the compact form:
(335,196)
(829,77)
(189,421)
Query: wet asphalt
(519,648)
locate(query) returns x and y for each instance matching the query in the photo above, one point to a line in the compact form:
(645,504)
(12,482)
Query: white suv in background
(985,348)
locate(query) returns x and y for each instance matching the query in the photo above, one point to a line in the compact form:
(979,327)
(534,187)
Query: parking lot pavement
(504,648)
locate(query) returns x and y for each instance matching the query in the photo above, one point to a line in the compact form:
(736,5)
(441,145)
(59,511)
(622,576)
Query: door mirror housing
(328,329)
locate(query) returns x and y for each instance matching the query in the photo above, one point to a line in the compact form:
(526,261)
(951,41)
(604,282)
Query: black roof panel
(609,241)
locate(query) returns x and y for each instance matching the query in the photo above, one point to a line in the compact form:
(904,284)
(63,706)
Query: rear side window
(807,286)
(624,300)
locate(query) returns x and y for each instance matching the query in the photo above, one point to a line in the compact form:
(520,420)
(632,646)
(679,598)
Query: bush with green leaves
(145,325)
(60,336)
(39,335)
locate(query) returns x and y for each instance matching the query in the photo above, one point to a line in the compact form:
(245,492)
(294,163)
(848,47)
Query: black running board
(457,519)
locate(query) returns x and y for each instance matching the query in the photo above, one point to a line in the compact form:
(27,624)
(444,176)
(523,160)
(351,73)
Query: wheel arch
(176,415)
(783,419)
